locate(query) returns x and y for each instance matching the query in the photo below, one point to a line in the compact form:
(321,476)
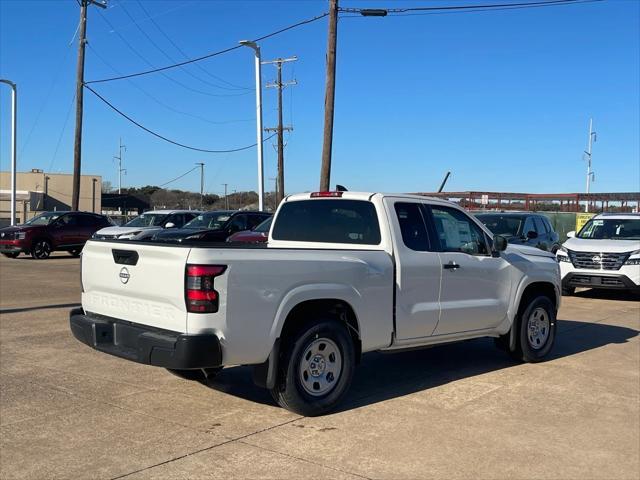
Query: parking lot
(454,411)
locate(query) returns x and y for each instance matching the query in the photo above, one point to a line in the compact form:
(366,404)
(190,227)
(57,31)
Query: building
(38,192)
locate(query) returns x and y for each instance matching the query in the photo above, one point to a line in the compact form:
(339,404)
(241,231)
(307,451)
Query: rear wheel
(11,254)
(41,249)
(316,369)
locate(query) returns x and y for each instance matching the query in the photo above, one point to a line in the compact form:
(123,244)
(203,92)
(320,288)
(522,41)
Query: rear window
(328,221)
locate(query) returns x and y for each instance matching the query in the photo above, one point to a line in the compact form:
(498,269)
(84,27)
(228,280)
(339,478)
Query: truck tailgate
(135,282)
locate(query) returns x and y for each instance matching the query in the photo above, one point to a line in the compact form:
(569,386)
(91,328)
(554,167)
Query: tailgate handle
(125,257)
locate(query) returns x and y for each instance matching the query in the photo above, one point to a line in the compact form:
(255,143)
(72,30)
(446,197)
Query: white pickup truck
(344,273)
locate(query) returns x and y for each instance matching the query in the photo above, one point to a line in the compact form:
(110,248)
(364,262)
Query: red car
(259,234)
(51,231)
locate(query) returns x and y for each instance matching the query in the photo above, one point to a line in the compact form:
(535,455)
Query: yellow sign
(581,219)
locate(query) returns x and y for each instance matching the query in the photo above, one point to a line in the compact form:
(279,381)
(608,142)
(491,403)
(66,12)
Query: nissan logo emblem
(596,259)
(124,275)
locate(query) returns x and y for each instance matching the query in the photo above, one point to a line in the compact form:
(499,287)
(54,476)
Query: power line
(114,108)
(163,104)
(452,8)
(64,127)
(200,67)
(166,55)
(178,178)
(210,55)
(177,82)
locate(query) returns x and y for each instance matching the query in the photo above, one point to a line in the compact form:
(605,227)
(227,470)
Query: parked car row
(69,231)
(605,253)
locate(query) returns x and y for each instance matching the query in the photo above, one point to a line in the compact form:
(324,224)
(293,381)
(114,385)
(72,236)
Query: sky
(502,99)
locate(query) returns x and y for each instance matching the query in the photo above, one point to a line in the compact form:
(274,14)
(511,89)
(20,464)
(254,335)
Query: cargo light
(326,194)
(200,296)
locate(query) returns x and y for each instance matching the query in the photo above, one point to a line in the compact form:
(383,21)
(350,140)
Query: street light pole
(256,49)
(14,127)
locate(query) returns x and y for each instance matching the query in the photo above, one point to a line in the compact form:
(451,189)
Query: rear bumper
(143,344)
(600,280)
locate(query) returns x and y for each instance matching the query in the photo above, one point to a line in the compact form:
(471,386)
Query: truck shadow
(384,376)
(618,295)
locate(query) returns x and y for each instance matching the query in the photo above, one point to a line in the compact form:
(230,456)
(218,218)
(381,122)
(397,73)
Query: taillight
(200,296)
(326,194)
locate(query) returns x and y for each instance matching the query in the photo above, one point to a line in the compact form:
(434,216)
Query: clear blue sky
(502,99)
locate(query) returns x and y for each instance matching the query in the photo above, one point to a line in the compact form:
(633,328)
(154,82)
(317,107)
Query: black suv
(214,226)
(522,228)
(51,231)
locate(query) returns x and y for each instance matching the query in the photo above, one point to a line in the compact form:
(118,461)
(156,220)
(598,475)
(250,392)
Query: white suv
(605,253)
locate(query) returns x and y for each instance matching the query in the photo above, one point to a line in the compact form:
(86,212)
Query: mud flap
(265,374)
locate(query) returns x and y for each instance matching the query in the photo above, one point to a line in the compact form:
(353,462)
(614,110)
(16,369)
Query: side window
(540,226)
(528,226)
(189,216)
(547,224)
(412,226)
(238,223)
(253,221)
(457,232)
(177,219)
(88,221)
(69,220)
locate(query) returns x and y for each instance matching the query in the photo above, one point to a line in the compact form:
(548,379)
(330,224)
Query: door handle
(451,266)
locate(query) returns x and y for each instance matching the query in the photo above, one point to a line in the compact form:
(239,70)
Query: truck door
(475,285)
(418,270)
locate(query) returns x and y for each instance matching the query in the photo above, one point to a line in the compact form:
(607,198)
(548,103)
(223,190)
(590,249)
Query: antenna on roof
(446,177)
(341,188)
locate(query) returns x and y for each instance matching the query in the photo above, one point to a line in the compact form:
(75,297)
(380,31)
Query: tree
(106,186)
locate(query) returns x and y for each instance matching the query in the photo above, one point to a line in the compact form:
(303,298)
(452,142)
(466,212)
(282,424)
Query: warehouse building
(37,192)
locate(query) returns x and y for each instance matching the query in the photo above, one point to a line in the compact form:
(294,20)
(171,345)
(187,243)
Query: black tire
(75,252)
(292,386)
(536,337)
(41,249)
(11,254)
(568,291)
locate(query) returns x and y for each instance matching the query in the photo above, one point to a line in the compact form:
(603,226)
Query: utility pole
(330,95)
(226,199)
(201,183)
(280,128)
(77,146)
(590,173)
(120,169)
(14,146)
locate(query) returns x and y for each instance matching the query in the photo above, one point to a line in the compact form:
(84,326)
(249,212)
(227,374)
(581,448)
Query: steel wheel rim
(41,249)
(320,367)
(538,328)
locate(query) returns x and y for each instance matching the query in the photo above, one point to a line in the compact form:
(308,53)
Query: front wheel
(316,369)
(536,330)
(41,249)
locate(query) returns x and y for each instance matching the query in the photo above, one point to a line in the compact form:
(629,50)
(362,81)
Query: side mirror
(531,234)
(170,225)
(499,243)
(571,234)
